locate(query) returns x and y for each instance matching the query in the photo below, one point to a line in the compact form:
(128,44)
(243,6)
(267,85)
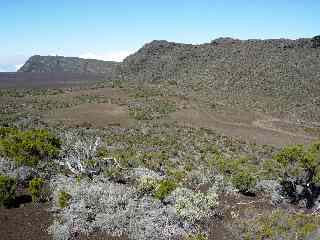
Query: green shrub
(63,199)
(28,147)
(37,189)
(243,181)
(300,166)
(164,188)
(7,191)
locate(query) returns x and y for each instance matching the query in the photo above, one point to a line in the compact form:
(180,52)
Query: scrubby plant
(7,191)
(115,209)
(37,189)
(244,181)
(316,41)
(115,174)
(28,147)
(196,207)
(299,172)
(63,199)
(198,236)
(146,184)
(79,151)
(164,188)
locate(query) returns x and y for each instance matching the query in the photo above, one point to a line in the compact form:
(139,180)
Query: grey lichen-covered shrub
(113,208)
(196,207)
(79,151)
(7,191)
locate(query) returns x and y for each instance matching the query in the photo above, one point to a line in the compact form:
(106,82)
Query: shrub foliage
(7,191)
(28,147)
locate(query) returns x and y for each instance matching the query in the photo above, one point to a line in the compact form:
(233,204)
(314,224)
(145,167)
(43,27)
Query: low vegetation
(278,225)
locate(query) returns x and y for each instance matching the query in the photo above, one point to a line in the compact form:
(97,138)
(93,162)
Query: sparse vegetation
(279,225)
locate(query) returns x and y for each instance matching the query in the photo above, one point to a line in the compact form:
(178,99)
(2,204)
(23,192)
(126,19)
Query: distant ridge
(67,64)
(275,76)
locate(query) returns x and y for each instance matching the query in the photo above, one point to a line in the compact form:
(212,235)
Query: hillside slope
(274,76)
(67,64)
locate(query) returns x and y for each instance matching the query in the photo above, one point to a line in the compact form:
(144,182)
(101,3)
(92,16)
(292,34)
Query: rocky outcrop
(67,64)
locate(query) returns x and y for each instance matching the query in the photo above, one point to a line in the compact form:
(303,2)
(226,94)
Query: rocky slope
(67,64)
(277,76)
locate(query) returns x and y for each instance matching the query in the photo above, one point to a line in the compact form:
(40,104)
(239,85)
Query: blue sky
(111,30)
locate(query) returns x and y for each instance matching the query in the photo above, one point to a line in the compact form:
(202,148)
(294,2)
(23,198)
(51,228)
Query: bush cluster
(299,171)
(7,191)
(28,147)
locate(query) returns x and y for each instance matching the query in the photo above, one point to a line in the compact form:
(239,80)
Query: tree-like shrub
(28,147)
(316,41)
(7,191)
(244,181)
(37,189)
(300,172)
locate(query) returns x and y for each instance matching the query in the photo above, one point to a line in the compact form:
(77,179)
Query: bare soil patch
(251,127)
(92,114)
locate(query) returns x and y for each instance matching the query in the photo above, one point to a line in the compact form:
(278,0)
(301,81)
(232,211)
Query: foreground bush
(28,147)
(7,191)
(300,172)
(244,181)
(196,207)
(115,209)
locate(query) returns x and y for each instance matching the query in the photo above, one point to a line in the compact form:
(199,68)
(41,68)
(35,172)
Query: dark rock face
(67,64)
(316,41)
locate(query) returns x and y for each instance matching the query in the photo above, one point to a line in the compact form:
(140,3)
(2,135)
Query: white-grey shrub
(114,209)
(77,149)
(196,207)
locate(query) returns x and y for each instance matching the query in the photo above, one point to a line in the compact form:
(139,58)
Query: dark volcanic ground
(46,80)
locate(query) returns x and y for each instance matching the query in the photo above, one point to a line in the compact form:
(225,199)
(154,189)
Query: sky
(113,29)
